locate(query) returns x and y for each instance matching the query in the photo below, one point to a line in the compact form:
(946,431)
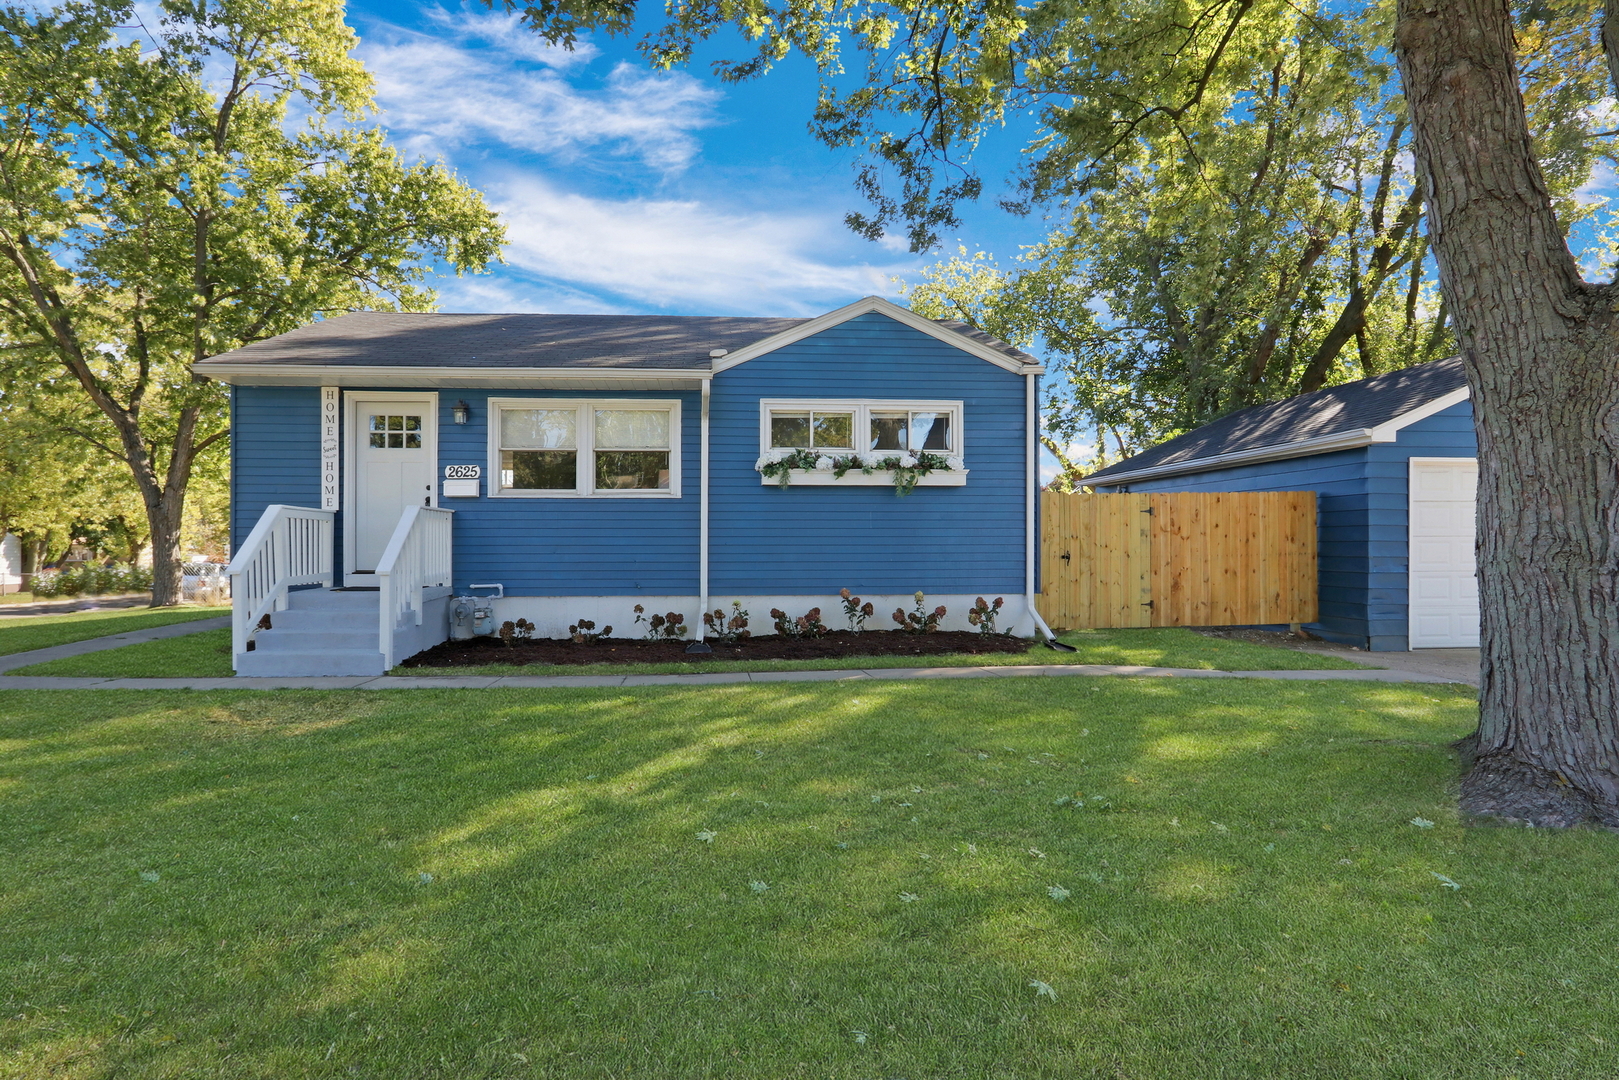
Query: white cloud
(664,253)
(481,79)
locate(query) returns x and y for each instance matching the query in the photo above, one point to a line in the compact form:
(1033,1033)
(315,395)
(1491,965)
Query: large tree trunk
(1542,354)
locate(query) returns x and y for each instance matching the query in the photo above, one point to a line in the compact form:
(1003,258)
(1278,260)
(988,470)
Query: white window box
(856,478)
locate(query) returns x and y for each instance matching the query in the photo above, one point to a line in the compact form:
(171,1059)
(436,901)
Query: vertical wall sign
(329,411)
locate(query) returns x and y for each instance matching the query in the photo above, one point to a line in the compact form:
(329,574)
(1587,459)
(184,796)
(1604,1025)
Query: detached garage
(1393,462)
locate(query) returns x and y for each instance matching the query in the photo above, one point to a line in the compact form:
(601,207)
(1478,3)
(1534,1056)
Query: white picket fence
(417,557)
(290,545)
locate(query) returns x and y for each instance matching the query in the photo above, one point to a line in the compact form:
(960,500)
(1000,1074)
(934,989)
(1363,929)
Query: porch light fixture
(461,412)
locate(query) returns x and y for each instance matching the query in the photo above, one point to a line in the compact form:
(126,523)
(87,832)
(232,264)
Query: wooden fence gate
(1177,559)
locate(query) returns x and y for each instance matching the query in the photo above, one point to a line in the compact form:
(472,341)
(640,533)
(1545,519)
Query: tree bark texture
(1541,348)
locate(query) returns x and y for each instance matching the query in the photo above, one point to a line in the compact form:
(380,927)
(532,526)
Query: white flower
(908,461)
(823,464)
(954,464)
(764,460)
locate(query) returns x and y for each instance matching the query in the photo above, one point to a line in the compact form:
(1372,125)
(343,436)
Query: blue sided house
(399,478)
(1393,462)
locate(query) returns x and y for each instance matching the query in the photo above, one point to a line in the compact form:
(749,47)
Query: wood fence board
(1178,559)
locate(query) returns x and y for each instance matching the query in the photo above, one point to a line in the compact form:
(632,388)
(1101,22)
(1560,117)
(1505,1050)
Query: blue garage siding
(578,546)
(275,452)
(1361,501)
(1445,434)
(816,540)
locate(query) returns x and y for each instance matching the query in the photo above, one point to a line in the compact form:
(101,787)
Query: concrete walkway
(475,682)
(101,644)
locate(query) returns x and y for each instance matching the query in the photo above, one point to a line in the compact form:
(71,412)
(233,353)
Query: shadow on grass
(771,881)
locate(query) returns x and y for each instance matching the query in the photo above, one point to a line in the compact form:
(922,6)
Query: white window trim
(586,429)
(862,409)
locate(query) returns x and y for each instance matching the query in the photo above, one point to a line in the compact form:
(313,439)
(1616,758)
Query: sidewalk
(101,644)
(536,682)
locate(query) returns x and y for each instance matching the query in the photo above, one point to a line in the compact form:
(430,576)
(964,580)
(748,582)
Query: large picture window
(614,448)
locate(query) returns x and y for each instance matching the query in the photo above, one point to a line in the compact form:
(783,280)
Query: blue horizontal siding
(577,546)
(275,452)
(806,540)
(816,540)
(1362,498)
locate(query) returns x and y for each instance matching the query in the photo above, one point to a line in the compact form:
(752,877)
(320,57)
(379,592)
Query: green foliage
(1234,217)
(160,203)
(91,580)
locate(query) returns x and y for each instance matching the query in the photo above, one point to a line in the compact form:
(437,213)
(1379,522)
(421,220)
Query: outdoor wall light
(461,412)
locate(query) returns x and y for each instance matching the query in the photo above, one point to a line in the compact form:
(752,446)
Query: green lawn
(207,655)
(20,633)
(801,880)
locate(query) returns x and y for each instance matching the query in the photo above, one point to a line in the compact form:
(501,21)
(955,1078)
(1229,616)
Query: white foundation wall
(552,615)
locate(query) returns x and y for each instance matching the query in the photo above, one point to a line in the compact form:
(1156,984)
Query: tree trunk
(1541,350)
(164,515)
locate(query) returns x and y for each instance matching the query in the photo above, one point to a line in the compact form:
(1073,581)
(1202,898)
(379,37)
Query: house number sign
(329,412)
(463,472)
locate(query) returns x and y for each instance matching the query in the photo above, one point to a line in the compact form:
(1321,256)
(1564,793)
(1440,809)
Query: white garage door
(1444,583)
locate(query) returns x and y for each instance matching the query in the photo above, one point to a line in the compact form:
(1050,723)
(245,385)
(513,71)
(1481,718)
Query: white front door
(1443,584)
(394,442)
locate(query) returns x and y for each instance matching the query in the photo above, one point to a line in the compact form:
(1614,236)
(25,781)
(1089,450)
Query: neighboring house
(596,462)
(10,563)
(1393,462)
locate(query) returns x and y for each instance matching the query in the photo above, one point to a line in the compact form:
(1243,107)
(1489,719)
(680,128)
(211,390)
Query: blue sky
(625,190)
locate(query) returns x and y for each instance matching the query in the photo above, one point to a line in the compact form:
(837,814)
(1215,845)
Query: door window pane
(619,470)
(790,430)
(930,431)
(539,429)
(888,431)
(395,432)
(632,428)
(834,430)
(539,470)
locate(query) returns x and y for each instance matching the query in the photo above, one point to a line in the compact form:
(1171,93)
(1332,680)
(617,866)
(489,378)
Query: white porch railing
(291,545)
(417,559)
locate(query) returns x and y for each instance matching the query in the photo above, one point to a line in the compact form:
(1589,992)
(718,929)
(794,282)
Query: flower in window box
(907,461)
(823,464)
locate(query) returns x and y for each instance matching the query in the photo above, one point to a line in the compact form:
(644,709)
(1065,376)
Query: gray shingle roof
(646,342)
(1336,410)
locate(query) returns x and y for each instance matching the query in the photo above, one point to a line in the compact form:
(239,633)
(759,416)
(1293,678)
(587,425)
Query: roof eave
(262,374)
(1386,432)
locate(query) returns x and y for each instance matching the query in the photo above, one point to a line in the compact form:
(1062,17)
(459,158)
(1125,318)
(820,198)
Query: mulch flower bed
(475,652)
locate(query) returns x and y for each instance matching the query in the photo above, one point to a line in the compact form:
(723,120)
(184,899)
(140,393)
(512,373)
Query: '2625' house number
(463,472)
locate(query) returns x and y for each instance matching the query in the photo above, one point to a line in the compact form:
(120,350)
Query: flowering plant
(662,627)
(920,621)
(907,468)
(856,612)
(728,631)
(807,625)
(982,615)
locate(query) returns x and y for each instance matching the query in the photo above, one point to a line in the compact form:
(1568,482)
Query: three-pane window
(586,448)
(870,427)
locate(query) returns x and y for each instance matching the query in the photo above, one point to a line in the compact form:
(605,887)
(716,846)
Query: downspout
(698,645)
(1032,491)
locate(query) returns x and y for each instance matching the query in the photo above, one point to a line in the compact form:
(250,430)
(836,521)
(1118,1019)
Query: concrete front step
(310,620)
(283,662)
(321,632)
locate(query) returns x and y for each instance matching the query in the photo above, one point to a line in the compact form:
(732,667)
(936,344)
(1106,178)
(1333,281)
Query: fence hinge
(1147,603)
(1148,510)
